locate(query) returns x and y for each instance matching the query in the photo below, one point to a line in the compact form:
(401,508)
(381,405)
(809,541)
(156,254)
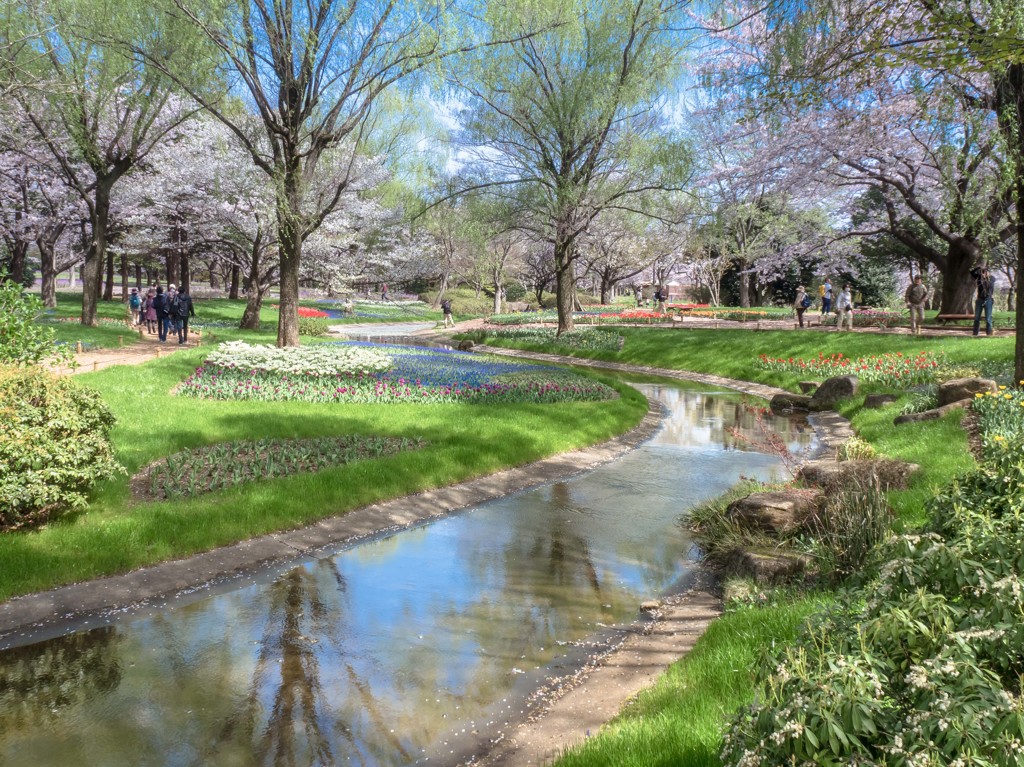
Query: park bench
(942,319)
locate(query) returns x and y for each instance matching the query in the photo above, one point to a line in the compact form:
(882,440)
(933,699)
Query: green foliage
(217,467)
(856,518)
(53,445)
(23,341)
(314,326)
(574,340)
(514,291)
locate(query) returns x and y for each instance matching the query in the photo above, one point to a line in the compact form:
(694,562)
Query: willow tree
(571,121)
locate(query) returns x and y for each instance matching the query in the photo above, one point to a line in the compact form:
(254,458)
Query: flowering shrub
(892,369)
(923,664)
(1002,416)
(53,445)
(583,338)
(412,375)
(317,359)
(203,470)
(313,326)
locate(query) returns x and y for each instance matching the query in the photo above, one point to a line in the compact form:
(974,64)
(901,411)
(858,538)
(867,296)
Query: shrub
(53,445)
(856,518)
(313,326)
(23,341)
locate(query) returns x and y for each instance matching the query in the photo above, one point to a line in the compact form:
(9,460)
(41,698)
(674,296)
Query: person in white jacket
(844,305)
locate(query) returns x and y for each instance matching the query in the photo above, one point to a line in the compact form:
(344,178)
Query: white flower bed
(318,359)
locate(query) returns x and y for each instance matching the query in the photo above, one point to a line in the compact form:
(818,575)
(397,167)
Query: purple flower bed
(417,375)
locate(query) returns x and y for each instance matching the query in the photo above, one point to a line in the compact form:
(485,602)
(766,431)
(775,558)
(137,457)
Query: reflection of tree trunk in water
(561,540)
(370,706)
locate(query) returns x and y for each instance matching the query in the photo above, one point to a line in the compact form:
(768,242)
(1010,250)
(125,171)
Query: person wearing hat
(801,303)
(134,305)
(986,291)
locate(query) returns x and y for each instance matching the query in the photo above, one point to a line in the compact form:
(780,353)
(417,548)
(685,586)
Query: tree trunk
(1011,88)
(92,268)
(124,278)
(957,285)
(254,291)
(16,272)
(236,278)
(745,289)
(289,207)
(565,282)
(108,288)
(171,261)
(138,276)
(48,267)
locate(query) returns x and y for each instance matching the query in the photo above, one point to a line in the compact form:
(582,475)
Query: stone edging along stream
(32,613)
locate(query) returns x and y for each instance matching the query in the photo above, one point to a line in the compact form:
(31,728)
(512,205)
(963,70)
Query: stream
(410,647)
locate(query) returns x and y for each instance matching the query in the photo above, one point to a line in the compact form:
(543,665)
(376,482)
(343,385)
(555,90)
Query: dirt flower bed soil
(217,467)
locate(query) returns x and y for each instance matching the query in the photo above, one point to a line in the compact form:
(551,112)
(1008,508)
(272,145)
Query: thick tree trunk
(1012,123)
(565,283)
(95,254)
(289,207)
(186,273)
(138,276)
(957,285)
(236,279)
(16,271)
(48,268)
(745,289)
(171,263)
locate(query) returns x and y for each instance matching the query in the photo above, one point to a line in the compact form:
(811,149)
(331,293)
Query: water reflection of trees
(39,682)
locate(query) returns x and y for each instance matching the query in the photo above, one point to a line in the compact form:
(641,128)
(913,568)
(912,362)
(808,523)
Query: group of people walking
(843,304)
(915,296)
(163,312)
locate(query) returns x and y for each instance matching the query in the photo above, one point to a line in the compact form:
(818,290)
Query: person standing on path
(801,303)
(185,310)
(135,306)
(986,290)
(160,309)
(844,306)
(916,296)
(826,300)
(150,312)
(384,292)
(446,307)
(170,312)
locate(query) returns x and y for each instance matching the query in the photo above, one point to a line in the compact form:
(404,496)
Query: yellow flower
(999,438)
(1007,396)
(979,395)
(1002,388)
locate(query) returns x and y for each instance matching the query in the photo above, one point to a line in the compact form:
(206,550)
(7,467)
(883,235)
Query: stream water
(405,648)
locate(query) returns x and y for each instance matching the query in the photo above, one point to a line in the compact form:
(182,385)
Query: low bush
(53,446)
(23,339)
(581,339)
(313,326)
(855,518)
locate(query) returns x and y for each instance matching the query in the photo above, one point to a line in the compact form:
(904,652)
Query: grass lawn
(119,533)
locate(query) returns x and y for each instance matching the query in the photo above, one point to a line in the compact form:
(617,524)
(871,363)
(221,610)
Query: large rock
(889,473)
(465,346)
(879,400)
(931,415)
(778,513)
(963,388)
(786,403)
(807,387)
(832,391)
(767,567)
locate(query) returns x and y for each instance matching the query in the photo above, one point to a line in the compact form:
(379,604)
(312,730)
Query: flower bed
(875,318)
(313,360)
(893,369)
(1002,416)
(586,339)
(193,472)
(410,375)
(305,311)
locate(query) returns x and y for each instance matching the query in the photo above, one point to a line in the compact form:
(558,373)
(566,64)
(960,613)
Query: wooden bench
(942,319)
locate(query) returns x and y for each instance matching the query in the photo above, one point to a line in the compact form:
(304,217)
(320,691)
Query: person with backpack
(803,300)
(446,307)
(160,307)
(185,310)
(135,305)
(149,311)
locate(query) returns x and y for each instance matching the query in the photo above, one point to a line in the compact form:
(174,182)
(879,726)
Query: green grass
(118,533)
(679,722)
(734,353)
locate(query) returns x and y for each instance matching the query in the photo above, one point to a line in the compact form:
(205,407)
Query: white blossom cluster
(316,359)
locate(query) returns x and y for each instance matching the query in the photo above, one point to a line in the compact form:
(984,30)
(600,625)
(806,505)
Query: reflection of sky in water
(370,656)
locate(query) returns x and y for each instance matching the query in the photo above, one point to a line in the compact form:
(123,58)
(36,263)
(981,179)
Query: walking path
(138,348)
